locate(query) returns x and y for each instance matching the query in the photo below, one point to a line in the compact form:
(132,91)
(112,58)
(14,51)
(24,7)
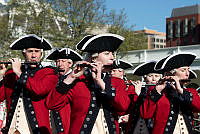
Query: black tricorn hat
(64,53)
(118,63)
(145,68)
(30,41)
(176,60)
(192,75)
(100,42)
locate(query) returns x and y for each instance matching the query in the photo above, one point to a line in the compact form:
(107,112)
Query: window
(192,22)
(192,25)
(153,39)
(170,29)
(170,43)
(157,46)
(157,40)
(185,41)
(177,43)
(193,39)
(177,28)
(185,26)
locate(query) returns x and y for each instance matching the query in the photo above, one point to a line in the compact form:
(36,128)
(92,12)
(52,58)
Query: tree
(80,15)
(5,34)
(64,22)
(132,40)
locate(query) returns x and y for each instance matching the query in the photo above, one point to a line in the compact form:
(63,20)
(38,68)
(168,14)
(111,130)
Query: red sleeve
(56,101)
(43,81)
(121,101)
(8,82)
(2,92)
(192,97)
(132,94)
(60,96)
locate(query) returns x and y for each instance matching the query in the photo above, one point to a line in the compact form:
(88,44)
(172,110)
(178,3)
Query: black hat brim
(64,53)
(31,41)
(145,68)
(121,64)
(101,42)
(176,60)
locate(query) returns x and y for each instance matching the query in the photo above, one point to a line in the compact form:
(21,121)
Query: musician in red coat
(64,59)
(95,97)
(118,70)
(137,92)
(25,87)
(170,103)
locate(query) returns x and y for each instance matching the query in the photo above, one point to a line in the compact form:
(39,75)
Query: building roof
(187,10)
(150,32)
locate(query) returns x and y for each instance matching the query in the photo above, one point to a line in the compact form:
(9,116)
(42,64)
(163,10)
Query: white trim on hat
(82,40)
(47,42)
(158,62)
(168,58)
(135,69)
(29,35)
(195,75)
(100,35)
(119,60)
(68,52)
(56,49)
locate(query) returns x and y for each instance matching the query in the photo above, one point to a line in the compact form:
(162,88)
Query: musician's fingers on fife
(134,83)
(175,78)
(138,82)
(82,64)
(97,64)
(15,60)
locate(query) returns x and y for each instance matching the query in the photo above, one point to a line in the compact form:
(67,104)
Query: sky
(150,14)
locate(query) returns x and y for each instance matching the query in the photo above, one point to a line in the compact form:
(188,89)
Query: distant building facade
(155,39)
(183,27)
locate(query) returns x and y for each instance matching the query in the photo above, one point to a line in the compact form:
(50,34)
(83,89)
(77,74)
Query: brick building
(183,27)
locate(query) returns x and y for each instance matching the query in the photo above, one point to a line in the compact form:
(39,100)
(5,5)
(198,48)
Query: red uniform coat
(86,98)
(62,119)
(36,85)
(166,106)
(134,112)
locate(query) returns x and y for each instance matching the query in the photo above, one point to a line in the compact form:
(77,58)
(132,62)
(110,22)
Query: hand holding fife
(76,72)
(16,66)
(176,84)
(161,85)
(96,74)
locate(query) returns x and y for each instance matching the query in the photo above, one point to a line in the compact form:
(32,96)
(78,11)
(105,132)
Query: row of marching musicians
(92,97)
